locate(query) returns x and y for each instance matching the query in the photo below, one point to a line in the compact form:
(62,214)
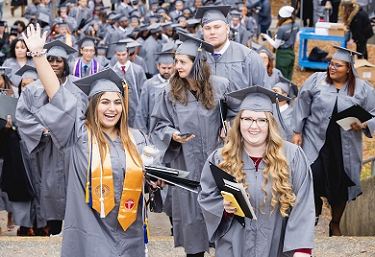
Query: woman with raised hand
(277,180)
(105,212)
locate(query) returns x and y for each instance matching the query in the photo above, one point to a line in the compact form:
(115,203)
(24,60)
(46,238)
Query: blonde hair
(276,168)
(93,123)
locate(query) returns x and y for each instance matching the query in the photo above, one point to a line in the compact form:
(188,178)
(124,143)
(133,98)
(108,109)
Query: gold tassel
(126,95)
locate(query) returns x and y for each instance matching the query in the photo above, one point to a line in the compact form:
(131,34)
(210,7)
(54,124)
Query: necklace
(256,160)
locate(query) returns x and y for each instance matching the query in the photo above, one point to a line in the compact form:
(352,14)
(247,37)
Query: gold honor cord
(125,86)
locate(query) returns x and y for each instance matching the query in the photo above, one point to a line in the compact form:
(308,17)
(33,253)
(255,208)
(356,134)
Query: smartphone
(185,134)
(230,198)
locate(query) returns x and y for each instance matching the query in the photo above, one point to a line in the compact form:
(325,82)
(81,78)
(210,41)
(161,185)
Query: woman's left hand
(357,127)
(298,254)
(33,39)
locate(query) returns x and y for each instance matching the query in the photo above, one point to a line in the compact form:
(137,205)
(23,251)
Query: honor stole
(102,192)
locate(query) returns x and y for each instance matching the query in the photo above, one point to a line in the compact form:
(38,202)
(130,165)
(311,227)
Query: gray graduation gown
(151,46)
(241,65)
(85,233)
(189,228)
(150,90)
(274,78)
(312,111)
(287,117)
(51,160)
(270,235)
(135,77)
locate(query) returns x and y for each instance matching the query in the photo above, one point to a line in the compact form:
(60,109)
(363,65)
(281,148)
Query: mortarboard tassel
(126,95)
(196,72)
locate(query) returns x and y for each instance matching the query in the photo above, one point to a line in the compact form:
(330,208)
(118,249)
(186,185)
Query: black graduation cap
(27,72)
(3,23)
(58,48)
(105,81)
(212,13)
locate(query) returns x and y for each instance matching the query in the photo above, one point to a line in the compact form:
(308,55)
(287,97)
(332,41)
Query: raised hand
(33,38)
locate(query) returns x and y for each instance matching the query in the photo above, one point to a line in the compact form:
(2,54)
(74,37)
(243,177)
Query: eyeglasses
(335,65)
(88,50)
(261,122)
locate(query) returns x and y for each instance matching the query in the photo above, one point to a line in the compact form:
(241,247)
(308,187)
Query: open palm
(33,38)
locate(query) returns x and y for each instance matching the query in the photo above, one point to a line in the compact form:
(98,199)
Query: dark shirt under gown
(330,179)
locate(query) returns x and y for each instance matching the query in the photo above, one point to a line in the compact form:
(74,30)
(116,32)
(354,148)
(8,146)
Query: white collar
(222,51)
(127,65)
(284,107)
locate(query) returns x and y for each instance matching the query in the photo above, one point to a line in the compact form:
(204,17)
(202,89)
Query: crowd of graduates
(73,148)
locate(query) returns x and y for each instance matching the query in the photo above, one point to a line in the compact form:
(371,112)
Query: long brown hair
(93,123)
(281,20)
(350,79)
(180,87)
(276,169)
(269,67)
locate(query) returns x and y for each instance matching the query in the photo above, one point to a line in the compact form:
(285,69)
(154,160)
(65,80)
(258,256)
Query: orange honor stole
(102,192)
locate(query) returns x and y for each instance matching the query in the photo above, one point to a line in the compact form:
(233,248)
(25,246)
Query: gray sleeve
(162,127)
(60,116)
(299,233)
(142,115)
(211,203)
(302,107)
(369,106)
(30,129)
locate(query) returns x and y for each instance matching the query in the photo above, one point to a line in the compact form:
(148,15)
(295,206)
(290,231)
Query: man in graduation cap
(86,64)
(151,90)
(133,74)
(335,154)
(80,13)
(62,17)
(237,62)
(50,159)
(113,34)
(240,34)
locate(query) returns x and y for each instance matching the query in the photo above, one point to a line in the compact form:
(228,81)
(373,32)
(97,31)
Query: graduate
(15,180)
(50,159)
(277,178)
(105,212)
(86,64)
(133,74)
(335,154)
(230,59)
(273,74)
(151,89)
(189,104)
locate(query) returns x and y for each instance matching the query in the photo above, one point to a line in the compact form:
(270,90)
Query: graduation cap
(3,68)
(186,9)
(167,25)
(168,47)
(102,50)
(259,99)
(154,28)
(86,41)
(197,48)
(289,87)
(193,22)
(14,28)
(28,72)
(180,18)
(122,45)
(212,13)
(346,55)
(264,49)
(153,19)
(105,81)
(123,18)
(44,17)
(3,23)
(62,24)
(164,58)
(8,107)
(58,48)
(235,14)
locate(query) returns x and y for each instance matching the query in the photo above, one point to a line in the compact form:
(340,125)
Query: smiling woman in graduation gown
(172,116)
(49,160)
(277,179)
(109,178)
